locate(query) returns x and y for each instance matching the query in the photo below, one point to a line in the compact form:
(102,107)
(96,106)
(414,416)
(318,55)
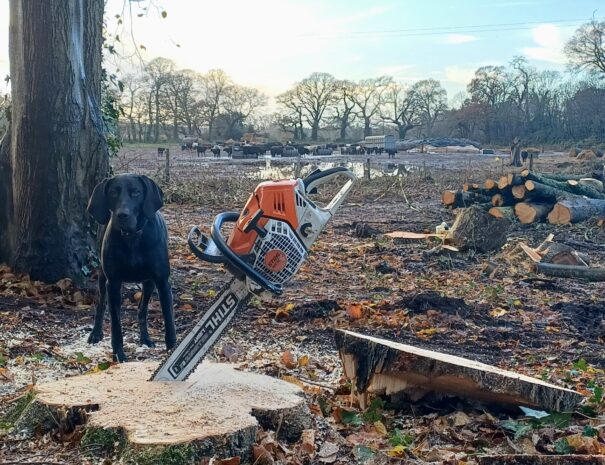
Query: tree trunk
(343,129)
(367,130)
(156,129)
(571,271)
(532,212)
(315,131)
(55,151)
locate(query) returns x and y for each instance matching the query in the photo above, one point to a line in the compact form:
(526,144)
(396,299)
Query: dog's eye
(135,193)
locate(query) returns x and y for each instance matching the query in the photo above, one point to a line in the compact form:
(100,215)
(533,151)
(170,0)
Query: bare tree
(368,98)
(213,87)
(239,104)
(344,106)
(315,94)
(157,73)
(430,101)
(293,112)
(400,108)
(586,48)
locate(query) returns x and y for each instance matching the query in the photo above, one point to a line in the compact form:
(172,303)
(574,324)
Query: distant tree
(344,106)
(315,94)
(238,105)
(157,75)
(430,101)
(292,112)
(586,48)
(400,108)
(213,87)
(368,98)
(55,150)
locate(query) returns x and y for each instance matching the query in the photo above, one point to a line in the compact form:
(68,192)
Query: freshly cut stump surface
(217,406)
(380,366)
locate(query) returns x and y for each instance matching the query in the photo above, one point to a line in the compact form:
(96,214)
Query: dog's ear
(98,206)
(154,197)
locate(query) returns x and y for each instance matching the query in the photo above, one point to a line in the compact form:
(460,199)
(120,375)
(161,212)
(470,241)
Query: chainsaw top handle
(319,177)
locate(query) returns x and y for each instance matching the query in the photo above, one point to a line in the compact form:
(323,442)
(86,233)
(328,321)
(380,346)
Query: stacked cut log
(531,197)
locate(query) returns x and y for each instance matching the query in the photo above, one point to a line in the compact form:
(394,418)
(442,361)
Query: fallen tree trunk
(562,254)
(532,212)
(575,210)
(570,271)
(504,198)
(217,411)
(514,179)
(503,182)
(592,182)
(503,212)
(380,366)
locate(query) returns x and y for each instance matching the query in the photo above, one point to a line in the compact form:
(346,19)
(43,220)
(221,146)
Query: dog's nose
(122,215)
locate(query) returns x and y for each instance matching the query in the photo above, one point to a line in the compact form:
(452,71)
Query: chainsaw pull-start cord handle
(317,178)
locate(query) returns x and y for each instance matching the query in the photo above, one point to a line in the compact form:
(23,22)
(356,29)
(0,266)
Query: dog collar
(137,233)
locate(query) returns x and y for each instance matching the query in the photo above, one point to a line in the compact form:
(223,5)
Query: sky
(271,44)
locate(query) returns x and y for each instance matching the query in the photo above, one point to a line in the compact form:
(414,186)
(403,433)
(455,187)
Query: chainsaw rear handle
(318,177)
(231,258)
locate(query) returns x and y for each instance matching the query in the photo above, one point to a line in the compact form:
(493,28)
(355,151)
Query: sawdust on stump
(216,411)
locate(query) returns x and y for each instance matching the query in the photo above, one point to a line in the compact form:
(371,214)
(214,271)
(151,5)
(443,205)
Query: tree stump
(217,411)
(476,229)
(379,366)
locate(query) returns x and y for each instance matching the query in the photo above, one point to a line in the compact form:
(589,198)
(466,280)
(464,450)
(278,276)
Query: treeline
(162,102)
(499,104)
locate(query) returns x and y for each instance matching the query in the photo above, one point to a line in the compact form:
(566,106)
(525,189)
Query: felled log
(490,184)
(534,459)
(569,271)
(562,254)
(514,179)
(594,183)
(503,212)
(564,177)
(504,198)
(503,182)
(528,212)
(518,192)
(457,199)
(578,189)
(576,210)
(466,187)
(475,229)
(380,366)
(217,411)
(537,190)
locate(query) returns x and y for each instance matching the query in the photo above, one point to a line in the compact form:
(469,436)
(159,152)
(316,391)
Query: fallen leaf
(497,312)
(261,455)
(137,296)
(284,311)
(288,359)
(380,428)
(308,441)
(397,451)
(303,361)
(354,311)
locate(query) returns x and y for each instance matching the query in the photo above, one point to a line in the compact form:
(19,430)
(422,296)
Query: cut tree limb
(578,189)
(537,190)
(518,192)
(217,411)
(504,198)
(381,366)
(570,271)
(575,210)
(457,199)
(532,212)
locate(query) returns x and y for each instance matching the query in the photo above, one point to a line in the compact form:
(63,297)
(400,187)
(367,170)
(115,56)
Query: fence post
(167,168)
(368,169)
(531,161)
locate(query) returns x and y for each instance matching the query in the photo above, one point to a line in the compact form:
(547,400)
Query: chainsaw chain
(241,306)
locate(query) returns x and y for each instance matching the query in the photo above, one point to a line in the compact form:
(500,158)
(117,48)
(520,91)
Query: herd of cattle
(250,150)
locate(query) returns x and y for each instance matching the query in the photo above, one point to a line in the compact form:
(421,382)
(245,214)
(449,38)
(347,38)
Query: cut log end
(518,192)
(448,198)
(217,411)
(560,214)
(490,184)
(531,212)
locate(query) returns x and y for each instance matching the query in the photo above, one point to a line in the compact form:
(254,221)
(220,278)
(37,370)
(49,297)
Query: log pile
(531,197)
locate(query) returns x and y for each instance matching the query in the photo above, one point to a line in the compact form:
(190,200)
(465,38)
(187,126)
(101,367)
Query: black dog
(134,249)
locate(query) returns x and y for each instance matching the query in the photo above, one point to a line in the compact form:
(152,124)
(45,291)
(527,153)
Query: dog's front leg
(148,287)
(97,331)
(114,294)
(165,293)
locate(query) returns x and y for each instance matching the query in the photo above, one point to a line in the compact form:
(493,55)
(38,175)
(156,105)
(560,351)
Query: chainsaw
(269,242)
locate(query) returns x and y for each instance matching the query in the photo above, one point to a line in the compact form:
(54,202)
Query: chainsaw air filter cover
(279,254)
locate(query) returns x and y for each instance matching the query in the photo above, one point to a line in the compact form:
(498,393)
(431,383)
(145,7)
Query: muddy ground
(552,329)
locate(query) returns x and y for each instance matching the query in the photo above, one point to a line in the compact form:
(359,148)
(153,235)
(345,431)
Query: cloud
(459,75)
(550,43)
(362,15)
(456,39)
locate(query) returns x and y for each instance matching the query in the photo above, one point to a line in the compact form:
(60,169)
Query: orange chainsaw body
(277,200)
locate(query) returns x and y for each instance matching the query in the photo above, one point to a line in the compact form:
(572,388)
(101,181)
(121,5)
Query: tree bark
(571,271)
(532,212)
(55,151)
(578,189)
